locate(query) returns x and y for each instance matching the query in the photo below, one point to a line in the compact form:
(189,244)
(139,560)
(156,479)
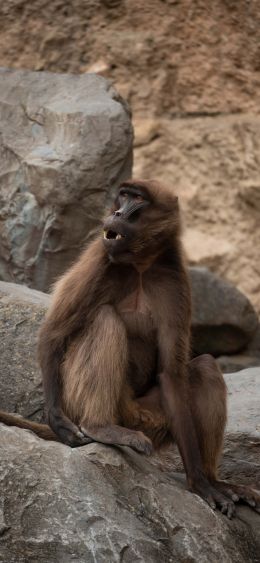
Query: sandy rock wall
(213,165)
(168,56)
(191,74)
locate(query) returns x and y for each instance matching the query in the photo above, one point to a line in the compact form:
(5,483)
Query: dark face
(121,228)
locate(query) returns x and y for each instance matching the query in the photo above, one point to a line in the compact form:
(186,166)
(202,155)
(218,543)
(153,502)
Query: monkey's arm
(75,295)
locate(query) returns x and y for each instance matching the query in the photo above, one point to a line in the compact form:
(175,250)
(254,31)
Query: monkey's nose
(118,213)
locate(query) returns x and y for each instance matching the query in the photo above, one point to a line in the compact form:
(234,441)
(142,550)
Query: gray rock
(253,348)
(65,145)
(21,312)
(107,504)
(14,292)
(224,321)
(237,362)
(241,460)
(244,402)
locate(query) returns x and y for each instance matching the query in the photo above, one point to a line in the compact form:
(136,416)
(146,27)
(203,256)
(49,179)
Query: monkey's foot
(141,443)
(67,432)
(119,436)
(215,498)
(240,493)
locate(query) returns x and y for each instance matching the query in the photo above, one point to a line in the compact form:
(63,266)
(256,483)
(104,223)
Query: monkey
(114,348)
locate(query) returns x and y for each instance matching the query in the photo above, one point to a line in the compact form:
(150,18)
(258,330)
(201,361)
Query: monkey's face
(141,219)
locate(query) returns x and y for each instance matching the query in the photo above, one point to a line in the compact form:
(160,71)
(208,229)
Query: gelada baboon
(114,348)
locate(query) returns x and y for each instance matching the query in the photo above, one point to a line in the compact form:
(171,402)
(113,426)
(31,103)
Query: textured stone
(224,321)
(212,163)
(103,504)
(21,312)
(170,60)
(254,346)
(65,144)
(237,362)
(241,460)
(244,401)
(202,249)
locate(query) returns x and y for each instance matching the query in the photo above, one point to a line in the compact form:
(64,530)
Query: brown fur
(114,347)
(42,430)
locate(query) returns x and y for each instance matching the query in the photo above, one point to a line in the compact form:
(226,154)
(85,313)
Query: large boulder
(100,503)
(223,321)
(241,459)
(253,348)
(237,362)
(244,401)
(65,145)
(21,312)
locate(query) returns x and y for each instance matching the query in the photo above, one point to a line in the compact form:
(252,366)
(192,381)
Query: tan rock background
(191,73)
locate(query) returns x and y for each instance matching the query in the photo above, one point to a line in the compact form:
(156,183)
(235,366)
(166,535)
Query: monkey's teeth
(105,234)
(118,237)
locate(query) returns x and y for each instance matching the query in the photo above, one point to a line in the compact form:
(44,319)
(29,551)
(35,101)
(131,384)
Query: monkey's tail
(41,430)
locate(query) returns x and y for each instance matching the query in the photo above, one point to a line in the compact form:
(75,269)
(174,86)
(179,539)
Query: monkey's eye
(139,197)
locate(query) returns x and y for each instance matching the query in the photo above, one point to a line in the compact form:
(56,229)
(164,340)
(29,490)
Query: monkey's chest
(136,314)
(135,311)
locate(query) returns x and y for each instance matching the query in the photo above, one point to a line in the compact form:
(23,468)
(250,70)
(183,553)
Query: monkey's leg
(94,380)
(206,409)
(209,409)
(208,406)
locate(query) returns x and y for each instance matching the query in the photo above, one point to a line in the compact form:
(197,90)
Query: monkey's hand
(214,498)
(67,432)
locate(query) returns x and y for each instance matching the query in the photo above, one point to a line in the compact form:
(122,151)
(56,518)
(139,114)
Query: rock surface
(150,53)
(253,348)
(65,144)
(237,362)
(21,312)
(224,320)
(212,164)
(244,401)
(110,504)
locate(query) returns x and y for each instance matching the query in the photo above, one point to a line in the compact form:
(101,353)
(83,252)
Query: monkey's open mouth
(113,235)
